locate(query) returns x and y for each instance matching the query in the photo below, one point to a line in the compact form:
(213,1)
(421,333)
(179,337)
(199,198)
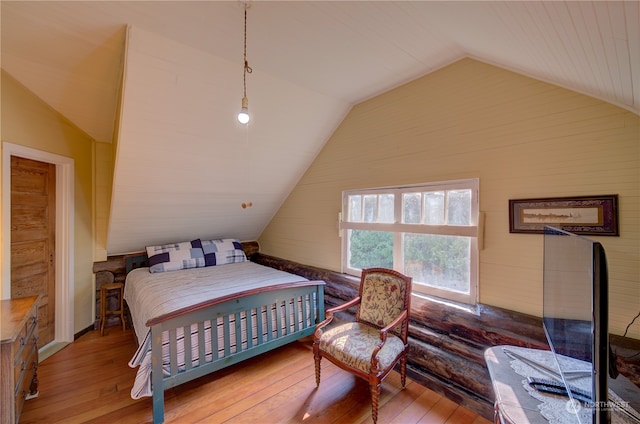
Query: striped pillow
(175,256)
(222,251)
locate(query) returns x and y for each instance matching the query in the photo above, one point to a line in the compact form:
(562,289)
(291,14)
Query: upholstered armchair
(372,345)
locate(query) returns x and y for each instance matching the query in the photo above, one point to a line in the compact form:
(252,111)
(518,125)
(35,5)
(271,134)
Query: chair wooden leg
(124,323)
(317,359)
(403,370)
(103,310)
(375,396)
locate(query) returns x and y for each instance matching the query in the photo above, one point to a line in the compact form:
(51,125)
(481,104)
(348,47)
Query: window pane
(370,249)
(355,208)
(416,229)
(411,208)
(440,261)
(370,207)
(459,207)
(434,208)
(386,213)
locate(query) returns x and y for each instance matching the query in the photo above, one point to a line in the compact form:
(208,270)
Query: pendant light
(243,116)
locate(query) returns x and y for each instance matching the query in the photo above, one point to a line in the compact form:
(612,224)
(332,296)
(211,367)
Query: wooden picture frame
(587,215)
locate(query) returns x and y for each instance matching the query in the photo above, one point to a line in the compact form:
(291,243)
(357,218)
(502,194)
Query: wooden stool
(104,313)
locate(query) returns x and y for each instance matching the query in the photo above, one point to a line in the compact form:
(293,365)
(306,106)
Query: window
(429,232)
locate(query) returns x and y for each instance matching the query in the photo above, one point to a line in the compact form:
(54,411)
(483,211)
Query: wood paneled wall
(523,138)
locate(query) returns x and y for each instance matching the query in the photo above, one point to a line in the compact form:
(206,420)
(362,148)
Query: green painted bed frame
(310,294)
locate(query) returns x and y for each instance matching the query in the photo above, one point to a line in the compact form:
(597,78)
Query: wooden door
(33,206)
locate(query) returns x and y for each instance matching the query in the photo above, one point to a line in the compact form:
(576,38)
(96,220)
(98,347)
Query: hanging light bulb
(243,116)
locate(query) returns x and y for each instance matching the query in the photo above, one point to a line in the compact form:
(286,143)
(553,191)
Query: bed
(193,321)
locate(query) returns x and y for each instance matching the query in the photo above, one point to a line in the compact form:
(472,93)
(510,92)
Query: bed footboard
(215,336)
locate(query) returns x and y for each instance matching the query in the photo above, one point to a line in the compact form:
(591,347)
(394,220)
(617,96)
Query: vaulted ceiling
(314,59)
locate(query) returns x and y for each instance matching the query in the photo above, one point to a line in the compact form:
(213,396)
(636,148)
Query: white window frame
(398,228)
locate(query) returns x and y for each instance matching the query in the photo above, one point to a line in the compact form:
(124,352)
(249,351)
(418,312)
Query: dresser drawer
(23,357)
(23,339)
(18,355)
(24,381)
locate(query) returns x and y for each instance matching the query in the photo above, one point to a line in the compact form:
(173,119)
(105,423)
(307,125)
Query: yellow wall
(27,121)
(522,137)
(103,176)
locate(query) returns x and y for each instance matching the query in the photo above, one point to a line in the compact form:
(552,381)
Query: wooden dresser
(18,355)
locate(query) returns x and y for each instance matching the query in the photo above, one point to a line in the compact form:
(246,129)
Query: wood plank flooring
(89,381)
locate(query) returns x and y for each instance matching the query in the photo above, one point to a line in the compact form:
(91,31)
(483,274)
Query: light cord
(247,68)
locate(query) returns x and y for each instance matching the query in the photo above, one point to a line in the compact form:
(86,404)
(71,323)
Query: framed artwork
(588,215)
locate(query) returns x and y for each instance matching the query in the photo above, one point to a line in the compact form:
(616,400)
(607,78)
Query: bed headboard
(136,260)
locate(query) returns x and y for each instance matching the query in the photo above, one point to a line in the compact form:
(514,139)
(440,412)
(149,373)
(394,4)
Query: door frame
(64,275)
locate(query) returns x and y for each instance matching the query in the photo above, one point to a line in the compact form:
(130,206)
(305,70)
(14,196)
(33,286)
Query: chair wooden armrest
(383,336)
(329,314)
(392,324)
(353,302)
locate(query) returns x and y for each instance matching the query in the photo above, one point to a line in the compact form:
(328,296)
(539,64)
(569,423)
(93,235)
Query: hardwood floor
(89,381)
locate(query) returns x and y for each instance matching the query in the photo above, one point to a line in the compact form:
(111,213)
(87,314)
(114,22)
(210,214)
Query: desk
(513,404)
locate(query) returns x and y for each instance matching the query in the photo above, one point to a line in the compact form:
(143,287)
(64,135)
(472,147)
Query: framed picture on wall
(588,215)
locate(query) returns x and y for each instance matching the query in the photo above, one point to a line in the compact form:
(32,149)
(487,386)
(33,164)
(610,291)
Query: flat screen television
(576,311)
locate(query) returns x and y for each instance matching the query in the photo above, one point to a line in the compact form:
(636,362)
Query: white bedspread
(153,295)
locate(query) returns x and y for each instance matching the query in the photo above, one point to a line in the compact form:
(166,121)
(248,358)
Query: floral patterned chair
(370,346)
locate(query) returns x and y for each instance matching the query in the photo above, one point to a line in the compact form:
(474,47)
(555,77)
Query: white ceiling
(70,54)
